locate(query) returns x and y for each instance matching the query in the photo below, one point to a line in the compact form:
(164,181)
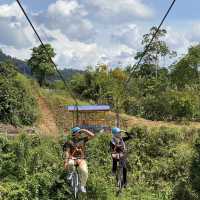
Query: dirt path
(47,122)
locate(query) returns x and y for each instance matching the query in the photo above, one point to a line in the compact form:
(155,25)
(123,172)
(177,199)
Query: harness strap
(114,143)
(76,149)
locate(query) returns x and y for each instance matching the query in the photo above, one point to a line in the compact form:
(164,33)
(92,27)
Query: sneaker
(83,189)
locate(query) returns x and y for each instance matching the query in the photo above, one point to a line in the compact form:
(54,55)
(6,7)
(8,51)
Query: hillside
(56,100)
(162,157)
(21,65)
(25,69)
(53,118)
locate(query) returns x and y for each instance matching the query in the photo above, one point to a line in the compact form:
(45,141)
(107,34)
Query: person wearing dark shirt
(119,151)
(75,153)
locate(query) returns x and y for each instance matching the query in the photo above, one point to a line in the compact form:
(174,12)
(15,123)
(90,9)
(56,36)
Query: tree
(40,63)
(92,84)
(186,71)
(150,77)
(157,50)
(116,91)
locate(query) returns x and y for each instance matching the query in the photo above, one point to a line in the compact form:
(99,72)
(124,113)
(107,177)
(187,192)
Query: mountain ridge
(26,70)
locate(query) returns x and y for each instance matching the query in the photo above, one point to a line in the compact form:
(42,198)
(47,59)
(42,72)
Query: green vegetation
(163,165)
(23,68)
(18,106)
(56,101)
(155,91)
(40,63)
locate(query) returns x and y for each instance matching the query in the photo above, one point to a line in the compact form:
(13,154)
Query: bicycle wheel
(75,184)
(120,178)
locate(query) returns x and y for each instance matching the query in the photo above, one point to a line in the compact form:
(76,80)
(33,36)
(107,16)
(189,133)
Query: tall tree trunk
(41,79)
(117,122)
(117,119)
(156,66)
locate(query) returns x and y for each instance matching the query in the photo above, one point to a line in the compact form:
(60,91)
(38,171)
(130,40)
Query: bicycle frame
(119,173)
(75,183)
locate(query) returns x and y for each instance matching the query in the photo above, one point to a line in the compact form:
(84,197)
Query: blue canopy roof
(88,108)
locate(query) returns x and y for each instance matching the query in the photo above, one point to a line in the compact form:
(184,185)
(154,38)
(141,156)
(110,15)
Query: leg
(83,172)
(66,153)
(124,172)
(71,165)
(124,176)
(114,166)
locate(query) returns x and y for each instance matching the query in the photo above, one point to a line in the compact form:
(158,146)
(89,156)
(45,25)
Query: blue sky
(89,32)
(183,9)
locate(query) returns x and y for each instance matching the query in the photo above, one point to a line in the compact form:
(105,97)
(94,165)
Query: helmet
(115,130)
(75,130)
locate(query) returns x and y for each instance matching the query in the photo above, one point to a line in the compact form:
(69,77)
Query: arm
(128,136)
(64,147)
(88,133)
(66,159)
(66,150)
(110,147)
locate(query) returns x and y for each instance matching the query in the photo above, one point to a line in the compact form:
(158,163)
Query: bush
(161,158)
(133,106)
(171,105)
(17,105)
(156,108)
(184,105)
(57,85)
(163,164)
(29,167)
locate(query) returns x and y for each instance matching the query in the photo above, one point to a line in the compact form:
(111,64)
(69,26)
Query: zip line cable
(148,46)
(135,66)
(49,57)
(146,49)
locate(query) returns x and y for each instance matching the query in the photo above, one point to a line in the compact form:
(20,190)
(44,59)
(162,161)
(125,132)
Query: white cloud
(180,39)
(194,34)
(87,32)
(72,52)
(128,7)
(11,10)
(15,31)
(68,16)
(63,8)
(128,34)
(79,55)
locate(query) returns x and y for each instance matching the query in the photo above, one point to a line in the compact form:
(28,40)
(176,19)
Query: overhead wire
(148,46)
(133,69)
(49,57)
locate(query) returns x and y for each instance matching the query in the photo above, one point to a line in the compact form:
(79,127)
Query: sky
(92,32)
